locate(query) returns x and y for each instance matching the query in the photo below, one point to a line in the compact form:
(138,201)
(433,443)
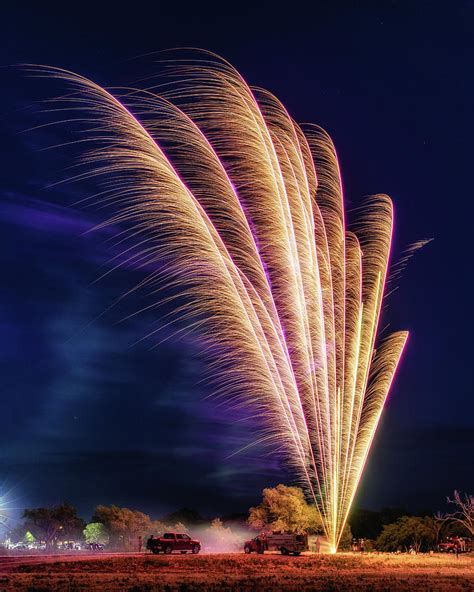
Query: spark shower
(240,211)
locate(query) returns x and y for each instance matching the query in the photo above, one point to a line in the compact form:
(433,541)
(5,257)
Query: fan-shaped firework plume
(246,208)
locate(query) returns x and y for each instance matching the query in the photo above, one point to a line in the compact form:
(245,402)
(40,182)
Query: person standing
(317,545)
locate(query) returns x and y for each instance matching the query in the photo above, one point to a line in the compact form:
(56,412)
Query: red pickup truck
(453,544)
(172,541)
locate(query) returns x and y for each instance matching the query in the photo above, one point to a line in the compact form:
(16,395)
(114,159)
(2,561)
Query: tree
(464,513)
(366,523)
(29,538)
(95,532)
(285,508)
(408,532)
(345,544)
(123,526)
(51,524)
(439,520)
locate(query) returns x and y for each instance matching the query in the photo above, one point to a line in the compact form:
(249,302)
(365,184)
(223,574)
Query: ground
(232,572)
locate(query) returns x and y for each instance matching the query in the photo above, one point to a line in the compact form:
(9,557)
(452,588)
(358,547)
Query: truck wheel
(284,551)
(155,551)
(247,550)
(168,550)
(296,553)
(195,549)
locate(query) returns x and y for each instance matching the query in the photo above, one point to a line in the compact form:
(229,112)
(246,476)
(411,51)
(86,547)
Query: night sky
(91,416)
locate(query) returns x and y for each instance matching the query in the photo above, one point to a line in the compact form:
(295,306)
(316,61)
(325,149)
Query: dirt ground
(232,572)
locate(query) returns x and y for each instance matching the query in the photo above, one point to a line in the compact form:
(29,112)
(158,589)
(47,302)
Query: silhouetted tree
(464,512)
(53,524)
(368,524)
(439,522)
(408,532)
(345,543)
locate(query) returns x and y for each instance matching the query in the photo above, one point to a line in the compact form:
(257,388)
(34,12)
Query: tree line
(396,529)
(282,508)
(117,527)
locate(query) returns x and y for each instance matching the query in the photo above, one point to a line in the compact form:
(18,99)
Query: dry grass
(232,572)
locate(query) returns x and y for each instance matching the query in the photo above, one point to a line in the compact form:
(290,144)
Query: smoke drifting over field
(219,538)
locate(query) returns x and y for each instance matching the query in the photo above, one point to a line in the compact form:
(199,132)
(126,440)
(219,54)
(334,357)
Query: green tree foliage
(408,532)
(285,508)
(95,532)
(123,526)
(53,524)
(29,537)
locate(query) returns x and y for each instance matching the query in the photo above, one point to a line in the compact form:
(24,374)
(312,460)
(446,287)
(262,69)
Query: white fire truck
(285,542)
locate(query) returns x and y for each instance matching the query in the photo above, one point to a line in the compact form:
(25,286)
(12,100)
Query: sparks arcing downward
(246,208)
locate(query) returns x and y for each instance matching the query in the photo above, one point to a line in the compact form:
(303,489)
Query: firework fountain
(246,209)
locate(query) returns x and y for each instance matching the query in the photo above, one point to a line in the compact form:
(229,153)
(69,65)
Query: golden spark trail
(246,209)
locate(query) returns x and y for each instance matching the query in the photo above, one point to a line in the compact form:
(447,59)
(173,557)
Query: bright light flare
(8,512)
(246,208)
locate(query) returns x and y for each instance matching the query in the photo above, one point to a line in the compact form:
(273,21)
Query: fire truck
(285,542)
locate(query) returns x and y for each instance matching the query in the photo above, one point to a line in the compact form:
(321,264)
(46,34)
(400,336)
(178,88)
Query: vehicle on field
(173,541)
(94,547)
(69,546)
(454,545)
(285,542)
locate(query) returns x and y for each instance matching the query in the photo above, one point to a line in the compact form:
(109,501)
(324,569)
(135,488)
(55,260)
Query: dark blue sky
(90,417)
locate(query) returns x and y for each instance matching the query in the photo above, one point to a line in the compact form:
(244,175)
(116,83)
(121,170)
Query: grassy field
(232,572)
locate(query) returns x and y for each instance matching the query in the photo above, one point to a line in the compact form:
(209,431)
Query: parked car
(172,541)
(285,542)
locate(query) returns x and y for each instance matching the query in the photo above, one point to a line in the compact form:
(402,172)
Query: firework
(246,208)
